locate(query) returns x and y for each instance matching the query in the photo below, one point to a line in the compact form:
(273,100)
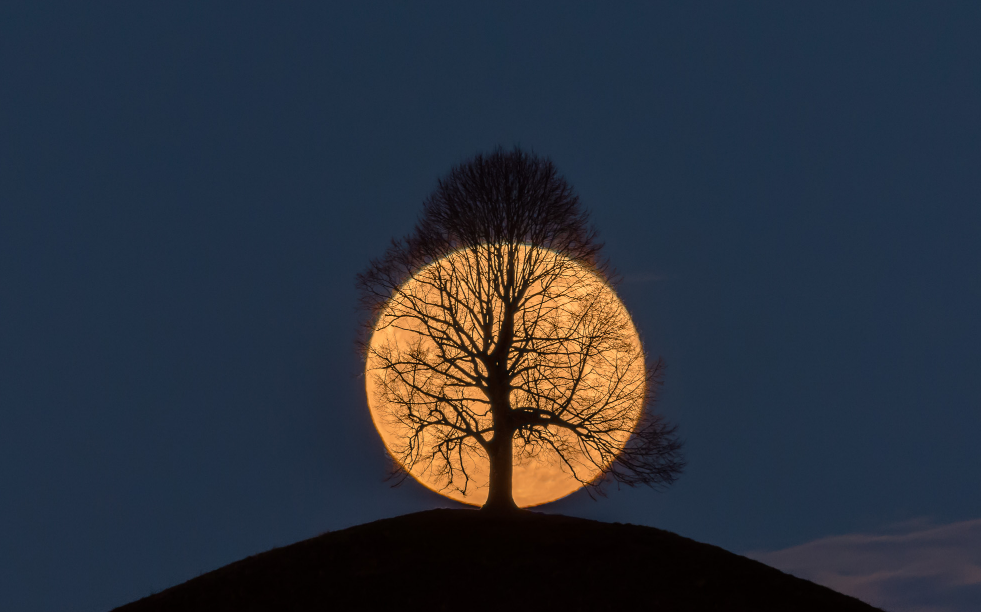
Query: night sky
(792,196)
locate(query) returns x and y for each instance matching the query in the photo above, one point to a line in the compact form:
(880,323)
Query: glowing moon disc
(538,477)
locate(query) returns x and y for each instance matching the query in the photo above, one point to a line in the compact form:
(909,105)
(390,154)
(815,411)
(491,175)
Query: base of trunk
(500,507)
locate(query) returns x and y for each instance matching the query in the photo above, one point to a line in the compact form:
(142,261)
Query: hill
(466,560)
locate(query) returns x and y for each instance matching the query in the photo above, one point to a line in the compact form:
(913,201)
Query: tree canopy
(494,337)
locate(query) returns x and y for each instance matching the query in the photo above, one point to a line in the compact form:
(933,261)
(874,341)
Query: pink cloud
(915,567)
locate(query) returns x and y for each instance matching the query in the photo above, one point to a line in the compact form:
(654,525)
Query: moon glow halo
(538,477)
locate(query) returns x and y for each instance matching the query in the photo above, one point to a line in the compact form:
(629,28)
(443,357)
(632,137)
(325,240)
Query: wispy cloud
(912,567)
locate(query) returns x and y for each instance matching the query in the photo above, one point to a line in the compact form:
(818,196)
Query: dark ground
(466,560)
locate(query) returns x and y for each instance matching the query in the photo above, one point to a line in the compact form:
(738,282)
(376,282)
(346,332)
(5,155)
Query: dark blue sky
(186,194)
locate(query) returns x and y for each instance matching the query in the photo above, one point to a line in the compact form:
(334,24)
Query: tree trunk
(499,497)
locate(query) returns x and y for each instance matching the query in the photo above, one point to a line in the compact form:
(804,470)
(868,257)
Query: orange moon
(536,480)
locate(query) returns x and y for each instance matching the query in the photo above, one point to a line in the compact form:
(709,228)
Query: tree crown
(494,333)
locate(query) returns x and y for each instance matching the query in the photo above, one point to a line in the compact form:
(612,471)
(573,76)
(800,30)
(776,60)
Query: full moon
(537,479)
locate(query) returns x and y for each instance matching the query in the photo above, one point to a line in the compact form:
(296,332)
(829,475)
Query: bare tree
(503,340)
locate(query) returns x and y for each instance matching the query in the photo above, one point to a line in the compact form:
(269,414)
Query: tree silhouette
(498,339)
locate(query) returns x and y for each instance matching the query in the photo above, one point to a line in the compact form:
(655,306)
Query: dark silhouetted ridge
(467,560)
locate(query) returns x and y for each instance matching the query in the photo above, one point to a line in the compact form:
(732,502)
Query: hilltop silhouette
(469,560)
